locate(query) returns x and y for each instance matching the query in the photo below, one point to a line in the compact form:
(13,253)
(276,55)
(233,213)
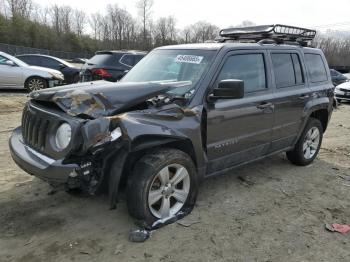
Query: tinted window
(299,76)
(102,59)
(316,68)
(29,60)
(138,58)
(250,68)
(334,73)
(287,69)
(48,62)
(283,69)
(127,60)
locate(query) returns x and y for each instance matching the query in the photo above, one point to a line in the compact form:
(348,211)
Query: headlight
(58,76)
(63,136)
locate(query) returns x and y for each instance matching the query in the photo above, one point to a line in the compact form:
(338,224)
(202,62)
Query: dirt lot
(268,211)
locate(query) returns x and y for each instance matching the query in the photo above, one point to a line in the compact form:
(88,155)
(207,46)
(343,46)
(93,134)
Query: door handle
(303,97)
(264,105)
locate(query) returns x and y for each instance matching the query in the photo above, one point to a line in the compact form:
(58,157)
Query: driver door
(10,76)
(240,130)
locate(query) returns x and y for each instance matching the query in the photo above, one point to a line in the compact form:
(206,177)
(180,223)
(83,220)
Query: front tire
(162,184)
(308,145)
(35,83)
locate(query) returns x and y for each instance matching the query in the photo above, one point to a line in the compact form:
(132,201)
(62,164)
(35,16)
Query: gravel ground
(267,211)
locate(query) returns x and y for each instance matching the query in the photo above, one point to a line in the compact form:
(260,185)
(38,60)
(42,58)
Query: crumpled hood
(101,98)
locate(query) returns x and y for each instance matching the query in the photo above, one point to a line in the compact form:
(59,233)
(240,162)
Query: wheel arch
(322,115)
(35,76)
(144,144)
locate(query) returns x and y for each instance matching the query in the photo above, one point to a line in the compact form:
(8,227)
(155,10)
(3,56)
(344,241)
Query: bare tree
(56,18)
(21,8)
(95,22)
(79,22)
(203,31)
(145,7)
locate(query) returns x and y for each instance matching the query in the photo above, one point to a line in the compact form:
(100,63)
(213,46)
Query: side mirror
(62,66)
(10,63)
(229,89)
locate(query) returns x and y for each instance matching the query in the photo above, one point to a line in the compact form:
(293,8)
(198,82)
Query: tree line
(60,27)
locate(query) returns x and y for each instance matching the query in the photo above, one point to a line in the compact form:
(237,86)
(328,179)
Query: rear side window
(138,58)
(316,68)
(27,59)
(48,62)
(127,60)
(247,67)
(287,69)
(103,59)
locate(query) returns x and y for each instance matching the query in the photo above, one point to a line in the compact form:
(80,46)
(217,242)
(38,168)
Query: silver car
(14,73)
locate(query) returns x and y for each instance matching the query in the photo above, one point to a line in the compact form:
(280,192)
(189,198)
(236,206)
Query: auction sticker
(192,59)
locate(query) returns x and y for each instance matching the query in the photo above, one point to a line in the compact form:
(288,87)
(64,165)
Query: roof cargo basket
(278,33)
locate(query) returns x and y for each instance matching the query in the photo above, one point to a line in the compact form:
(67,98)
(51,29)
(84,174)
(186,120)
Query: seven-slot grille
(34,129)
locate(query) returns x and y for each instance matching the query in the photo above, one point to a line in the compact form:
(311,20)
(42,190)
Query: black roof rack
(279,33)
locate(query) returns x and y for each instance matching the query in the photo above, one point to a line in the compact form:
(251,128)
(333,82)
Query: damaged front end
(108,121)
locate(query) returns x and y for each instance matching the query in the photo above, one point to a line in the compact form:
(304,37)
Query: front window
(172,66)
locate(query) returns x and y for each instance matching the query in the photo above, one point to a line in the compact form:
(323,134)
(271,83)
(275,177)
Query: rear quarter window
(104,59)
(316,68)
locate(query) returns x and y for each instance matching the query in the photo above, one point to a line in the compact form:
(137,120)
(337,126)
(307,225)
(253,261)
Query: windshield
(172,66)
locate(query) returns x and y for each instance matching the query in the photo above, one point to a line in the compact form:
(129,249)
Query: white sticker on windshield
(192,59)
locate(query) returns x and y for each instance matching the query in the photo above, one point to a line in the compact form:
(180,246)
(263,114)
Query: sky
(223,13)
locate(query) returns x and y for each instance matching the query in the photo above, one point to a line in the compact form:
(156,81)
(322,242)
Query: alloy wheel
(169,191)
(311,142)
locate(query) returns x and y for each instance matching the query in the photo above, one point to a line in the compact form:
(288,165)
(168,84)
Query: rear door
(240,130)
(291,97)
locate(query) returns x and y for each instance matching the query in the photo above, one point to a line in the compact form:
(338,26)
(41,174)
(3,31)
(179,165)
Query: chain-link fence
(18,50)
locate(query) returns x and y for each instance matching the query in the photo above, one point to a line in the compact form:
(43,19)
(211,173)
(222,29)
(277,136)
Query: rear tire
(308,145)
(162,184)
(35,83)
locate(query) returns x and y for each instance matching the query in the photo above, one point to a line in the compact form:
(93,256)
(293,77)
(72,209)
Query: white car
(14,73)
(342,92)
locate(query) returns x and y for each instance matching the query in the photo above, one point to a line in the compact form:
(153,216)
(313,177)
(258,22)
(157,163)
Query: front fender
(150,129)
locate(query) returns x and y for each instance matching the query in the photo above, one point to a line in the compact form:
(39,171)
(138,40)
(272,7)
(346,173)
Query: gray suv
(182,114)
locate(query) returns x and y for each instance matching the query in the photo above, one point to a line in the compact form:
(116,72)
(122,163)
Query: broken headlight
(63,136)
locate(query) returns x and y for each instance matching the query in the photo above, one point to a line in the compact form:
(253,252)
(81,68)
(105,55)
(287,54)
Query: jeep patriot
(183,113)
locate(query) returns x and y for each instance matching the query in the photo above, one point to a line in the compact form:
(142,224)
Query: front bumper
(54,82)
(342,95)
(37,164)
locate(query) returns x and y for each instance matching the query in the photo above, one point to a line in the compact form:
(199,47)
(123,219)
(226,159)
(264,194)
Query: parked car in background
(342,92)
(337,77)
(70,72)
(109,65)
(14,73)
(79,60)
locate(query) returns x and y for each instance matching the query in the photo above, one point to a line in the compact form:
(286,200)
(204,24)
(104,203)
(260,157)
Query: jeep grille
(34,130)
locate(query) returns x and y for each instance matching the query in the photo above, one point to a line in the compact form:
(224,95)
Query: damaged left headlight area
(101,138)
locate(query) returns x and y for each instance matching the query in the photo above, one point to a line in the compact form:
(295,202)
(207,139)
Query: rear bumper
(36,164)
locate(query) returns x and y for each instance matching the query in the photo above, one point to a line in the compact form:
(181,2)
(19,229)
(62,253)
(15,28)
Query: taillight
(101,72)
